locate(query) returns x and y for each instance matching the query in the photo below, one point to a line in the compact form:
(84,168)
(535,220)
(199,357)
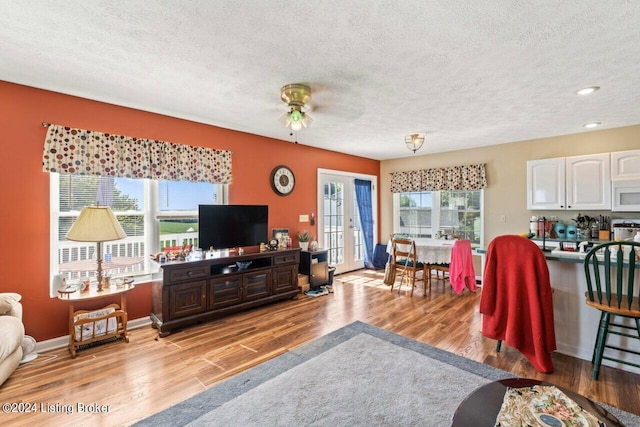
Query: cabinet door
(546,184)
(225,291)
(187,299)
(625,165)
(285,278)
(256,284)
(589,182)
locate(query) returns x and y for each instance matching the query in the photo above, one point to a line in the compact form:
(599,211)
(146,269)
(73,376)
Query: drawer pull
(189,273)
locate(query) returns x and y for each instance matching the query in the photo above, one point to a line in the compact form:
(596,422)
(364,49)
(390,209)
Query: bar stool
(610,270)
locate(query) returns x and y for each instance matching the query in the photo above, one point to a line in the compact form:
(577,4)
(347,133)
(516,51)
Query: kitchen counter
(576,324)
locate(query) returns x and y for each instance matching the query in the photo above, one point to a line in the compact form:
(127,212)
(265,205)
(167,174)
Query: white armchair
(11,334)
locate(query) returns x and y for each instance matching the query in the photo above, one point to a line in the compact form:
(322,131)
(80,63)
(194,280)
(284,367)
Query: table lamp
(96,224)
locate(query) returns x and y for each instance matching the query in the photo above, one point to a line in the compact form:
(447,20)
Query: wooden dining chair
(611,270)
(462,272)
(438,268)
(405,261)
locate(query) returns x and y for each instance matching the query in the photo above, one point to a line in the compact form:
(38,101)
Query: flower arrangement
(583,222)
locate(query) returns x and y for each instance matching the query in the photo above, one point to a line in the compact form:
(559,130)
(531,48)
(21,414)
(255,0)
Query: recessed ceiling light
(588,90)
(592,125)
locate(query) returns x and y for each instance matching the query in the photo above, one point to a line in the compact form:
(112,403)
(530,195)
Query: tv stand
(188,292)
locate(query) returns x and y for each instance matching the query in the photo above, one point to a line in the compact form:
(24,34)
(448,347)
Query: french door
(339,226)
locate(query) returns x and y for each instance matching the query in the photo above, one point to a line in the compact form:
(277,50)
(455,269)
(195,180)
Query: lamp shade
(296,119)
(96,224)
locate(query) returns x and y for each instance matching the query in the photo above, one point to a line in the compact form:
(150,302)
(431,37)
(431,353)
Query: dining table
(433,252)
(429,250)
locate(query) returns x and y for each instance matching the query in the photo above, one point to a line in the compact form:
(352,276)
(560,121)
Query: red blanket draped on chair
(516,301)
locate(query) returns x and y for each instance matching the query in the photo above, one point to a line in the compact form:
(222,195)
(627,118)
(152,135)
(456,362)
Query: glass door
(339,226)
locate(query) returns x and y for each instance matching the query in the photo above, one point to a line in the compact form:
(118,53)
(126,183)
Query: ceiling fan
(296,95)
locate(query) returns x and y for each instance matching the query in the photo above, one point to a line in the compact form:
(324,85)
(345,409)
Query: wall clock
(282,180)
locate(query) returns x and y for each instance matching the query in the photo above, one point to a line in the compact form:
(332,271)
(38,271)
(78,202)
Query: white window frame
(152,217)
(435,212)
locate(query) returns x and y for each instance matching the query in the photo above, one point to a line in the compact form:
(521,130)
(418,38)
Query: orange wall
(24,253)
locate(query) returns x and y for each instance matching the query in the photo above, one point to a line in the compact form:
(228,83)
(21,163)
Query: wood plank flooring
(127,382)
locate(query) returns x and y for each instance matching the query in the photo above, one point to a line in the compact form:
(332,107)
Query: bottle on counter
(542,226)
(533,225)
(560,230)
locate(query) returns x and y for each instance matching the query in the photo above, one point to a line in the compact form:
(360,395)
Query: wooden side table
(89,328)
(482,406)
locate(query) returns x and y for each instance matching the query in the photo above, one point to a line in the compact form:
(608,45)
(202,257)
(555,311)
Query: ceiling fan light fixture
(296,96)
(414,141)
(296,126)
(296,116)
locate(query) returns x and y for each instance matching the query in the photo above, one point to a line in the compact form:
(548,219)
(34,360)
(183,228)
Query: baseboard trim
(63,341)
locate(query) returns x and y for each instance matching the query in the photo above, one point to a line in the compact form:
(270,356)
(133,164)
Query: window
(154,214)
(430,213)
(178,210)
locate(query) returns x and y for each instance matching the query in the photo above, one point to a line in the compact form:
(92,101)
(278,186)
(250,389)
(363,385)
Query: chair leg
(601,341)
(413,281)
(595,344)
(425,282)
(498,345)
(404,273)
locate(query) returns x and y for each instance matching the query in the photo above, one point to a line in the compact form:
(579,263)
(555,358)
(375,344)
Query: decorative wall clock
(282,180)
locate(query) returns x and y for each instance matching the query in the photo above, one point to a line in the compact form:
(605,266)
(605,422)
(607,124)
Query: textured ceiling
(468,73)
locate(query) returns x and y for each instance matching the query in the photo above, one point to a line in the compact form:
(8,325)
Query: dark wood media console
(188,292)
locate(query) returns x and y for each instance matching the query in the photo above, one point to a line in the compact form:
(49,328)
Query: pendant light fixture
(414,141)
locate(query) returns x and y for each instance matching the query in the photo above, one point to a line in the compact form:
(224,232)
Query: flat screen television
(232,226)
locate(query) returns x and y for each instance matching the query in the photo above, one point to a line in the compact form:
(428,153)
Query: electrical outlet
(503,218)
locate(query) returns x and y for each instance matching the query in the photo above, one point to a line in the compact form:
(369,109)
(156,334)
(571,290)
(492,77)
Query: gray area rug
(358,375)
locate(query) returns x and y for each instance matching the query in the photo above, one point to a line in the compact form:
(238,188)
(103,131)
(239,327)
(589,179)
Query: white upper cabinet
(545,184)
(589,182)
(574,183)
(625,165)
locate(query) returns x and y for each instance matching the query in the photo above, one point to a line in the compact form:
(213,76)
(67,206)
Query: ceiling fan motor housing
(295,94)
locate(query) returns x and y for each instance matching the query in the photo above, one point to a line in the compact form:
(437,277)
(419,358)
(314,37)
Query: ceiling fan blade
(306,120)
(285,119)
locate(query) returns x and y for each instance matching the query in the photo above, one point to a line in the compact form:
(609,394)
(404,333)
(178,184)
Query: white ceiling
(468,73)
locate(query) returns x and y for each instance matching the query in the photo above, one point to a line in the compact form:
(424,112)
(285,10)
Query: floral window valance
(468,177)
(79,151)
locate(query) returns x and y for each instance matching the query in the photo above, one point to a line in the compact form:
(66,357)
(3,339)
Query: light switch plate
(304,218)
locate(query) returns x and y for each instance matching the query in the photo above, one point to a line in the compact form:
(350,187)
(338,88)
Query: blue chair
(611,270)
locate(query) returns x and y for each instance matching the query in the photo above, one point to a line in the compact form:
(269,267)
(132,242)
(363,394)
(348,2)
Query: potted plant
(303,240)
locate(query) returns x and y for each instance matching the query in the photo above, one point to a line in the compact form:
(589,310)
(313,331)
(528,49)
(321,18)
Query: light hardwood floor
(134,380)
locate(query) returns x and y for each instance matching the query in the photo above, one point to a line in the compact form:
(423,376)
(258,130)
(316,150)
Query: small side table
(315,265)
(482,406)
(119,314)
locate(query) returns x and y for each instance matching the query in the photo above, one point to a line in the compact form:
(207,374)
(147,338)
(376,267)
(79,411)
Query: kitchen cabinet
(571,183)
(625,165)
(588,180)
(187,292)
(546,184)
